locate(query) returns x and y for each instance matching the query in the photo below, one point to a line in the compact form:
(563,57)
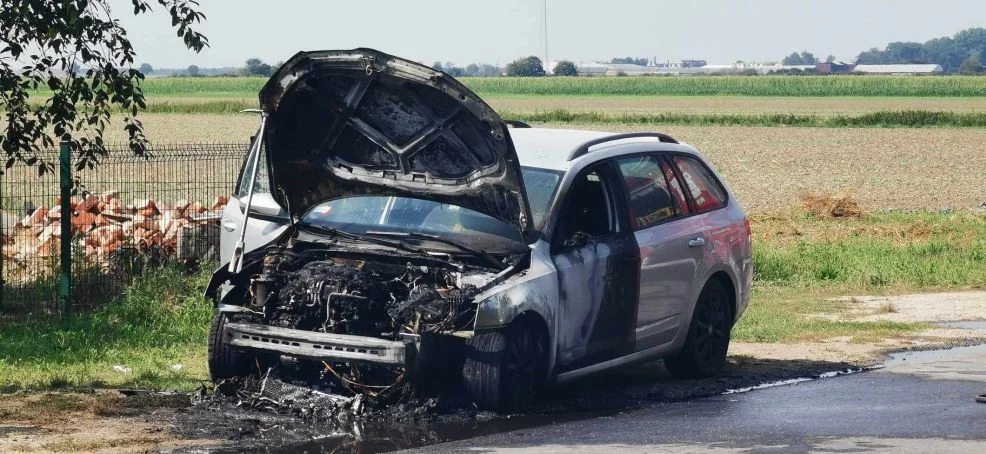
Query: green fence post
(65,184)
(3,283)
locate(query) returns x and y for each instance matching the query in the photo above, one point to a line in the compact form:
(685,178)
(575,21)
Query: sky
(467,31)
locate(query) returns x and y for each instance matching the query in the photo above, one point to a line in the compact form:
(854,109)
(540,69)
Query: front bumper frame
(318,346)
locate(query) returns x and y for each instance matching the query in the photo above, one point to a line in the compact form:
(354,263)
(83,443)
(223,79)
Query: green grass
(785,314)
(801,261)
(796,86)
(158,322)
(882,250)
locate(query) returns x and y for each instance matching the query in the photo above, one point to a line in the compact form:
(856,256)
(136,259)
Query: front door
(597,261)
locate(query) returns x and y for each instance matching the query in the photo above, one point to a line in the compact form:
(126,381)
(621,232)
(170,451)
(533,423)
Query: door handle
(229,225)
(696,242)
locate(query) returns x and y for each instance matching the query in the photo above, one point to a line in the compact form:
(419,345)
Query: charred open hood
(354,122)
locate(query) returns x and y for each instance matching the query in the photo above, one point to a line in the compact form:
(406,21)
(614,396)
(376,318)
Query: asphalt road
(919,402)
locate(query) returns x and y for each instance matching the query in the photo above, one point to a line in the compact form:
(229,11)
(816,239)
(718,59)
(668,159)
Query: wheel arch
(724,279)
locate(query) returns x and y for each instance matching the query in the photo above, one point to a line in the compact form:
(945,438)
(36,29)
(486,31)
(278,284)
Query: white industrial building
(617,69)
(899,70)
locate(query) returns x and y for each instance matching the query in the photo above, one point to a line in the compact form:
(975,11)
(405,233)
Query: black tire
(704,352)
(503,369)
(225,361)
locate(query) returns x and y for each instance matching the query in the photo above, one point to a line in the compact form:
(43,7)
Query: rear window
(702,185)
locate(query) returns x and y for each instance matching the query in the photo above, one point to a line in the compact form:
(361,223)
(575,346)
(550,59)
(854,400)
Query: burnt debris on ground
(275,410)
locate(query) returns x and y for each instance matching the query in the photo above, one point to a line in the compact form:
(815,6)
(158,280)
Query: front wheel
(504,368)
(704,352)
(225,361)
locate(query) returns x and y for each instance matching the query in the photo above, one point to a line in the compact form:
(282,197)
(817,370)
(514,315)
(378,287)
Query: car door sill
(640,356)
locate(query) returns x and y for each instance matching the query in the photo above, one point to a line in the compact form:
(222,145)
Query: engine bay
(312,290)
(394,298)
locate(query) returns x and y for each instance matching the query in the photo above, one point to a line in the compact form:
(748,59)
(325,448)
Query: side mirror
(263,205)
(578,240)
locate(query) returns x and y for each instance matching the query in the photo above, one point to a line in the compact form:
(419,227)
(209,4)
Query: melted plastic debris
(272,394)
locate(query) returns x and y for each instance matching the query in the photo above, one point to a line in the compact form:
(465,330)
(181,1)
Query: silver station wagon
(390,228)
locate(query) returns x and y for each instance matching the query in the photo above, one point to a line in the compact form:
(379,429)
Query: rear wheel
(704,352)
(225,361)
(504,368)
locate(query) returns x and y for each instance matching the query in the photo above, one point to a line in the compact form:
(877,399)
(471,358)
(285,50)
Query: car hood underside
(361,122)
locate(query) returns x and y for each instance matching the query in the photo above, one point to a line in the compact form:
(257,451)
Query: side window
(705,190)
(649,199)
(588,207)
(262,186)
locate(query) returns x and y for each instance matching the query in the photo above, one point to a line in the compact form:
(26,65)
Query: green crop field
(783,86)
(799,86)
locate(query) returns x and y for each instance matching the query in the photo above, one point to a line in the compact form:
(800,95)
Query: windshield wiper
(426,236)
(352,236)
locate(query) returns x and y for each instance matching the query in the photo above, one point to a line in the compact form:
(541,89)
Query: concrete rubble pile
(102,224)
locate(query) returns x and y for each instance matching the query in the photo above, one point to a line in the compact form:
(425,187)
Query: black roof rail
(581,150)
(516,124)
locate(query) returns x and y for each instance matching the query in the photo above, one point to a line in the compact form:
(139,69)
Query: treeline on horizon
(949,52)
(967,46)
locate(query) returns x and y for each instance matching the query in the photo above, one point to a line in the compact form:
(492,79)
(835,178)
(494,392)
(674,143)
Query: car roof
(549,148)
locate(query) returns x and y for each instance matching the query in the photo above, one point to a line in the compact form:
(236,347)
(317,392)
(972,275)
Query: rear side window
(705,190)
(676,191)
(649,198)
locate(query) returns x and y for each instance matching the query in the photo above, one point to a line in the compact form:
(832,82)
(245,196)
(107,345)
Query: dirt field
(732,104)
(768,168)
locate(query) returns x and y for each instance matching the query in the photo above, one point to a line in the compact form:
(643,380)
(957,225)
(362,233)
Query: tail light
(746,225)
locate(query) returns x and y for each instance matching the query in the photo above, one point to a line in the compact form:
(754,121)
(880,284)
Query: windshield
(361,214)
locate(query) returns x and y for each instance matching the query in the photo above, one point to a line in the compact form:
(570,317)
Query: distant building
(834,67)
(900,70)
(615,69)
(688,67)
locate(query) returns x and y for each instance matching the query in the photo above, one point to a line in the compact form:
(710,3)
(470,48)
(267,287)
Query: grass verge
(802,260)
(152,335)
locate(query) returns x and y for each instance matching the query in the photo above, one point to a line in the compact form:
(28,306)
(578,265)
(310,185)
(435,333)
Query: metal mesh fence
(128,215)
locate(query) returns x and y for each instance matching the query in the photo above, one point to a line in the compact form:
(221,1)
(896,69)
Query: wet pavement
(919,402)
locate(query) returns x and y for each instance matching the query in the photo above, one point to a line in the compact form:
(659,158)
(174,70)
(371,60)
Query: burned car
(389,227)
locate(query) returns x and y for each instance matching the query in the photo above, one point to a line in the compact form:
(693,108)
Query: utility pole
(545,17)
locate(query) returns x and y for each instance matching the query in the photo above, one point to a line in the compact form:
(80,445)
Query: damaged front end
(361,321)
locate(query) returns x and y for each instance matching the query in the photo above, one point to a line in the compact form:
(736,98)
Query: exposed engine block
(313,292)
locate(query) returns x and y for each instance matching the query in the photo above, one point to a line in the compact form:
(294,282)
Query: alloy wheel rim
(711,328)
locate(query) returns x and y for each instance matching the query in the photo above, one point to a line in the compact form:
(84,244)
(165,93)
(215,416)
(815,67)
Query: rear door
(262,228)
(669,238)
